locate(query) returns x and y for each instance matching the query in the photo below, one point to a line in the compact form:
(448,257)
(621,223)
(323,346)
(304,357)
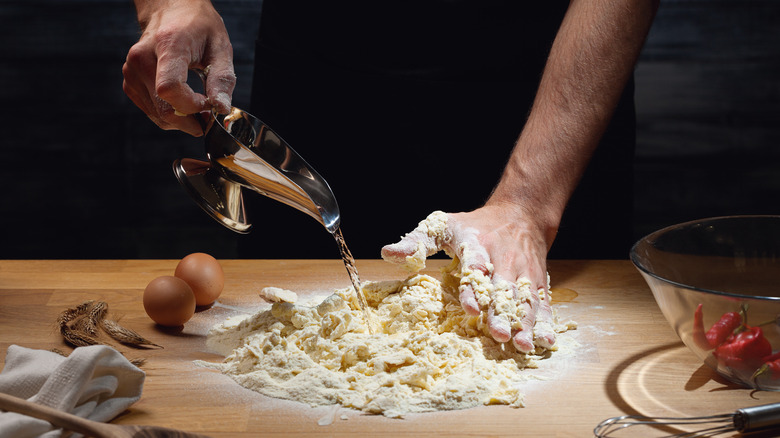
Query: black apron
(407,107)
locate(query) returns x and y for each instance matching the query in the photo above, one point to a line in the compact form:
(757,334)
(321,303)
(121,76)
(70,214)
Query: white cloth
(94,382)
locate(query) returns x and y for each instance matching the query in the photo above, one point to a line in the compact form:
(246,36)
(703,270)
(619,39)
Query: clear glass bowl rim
(634,256)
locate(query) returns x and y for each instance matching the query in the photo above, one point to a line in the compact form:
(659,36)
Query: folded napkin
(94,382)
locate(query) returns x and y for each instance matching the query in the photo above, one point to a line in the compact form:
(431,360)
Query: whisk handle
(757,417)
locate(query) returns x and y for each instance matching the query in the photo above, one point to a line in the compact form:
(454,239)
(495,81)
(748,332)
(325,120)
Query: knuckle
(136,53)
(139,57)
(167,87)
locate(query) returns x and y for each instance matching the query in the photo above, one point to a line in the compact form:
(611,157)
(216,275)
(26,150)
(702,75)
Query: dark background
(86,175)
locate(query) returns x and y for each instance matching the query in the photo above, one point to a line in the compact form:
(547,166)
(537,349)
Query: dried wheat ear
(79,327)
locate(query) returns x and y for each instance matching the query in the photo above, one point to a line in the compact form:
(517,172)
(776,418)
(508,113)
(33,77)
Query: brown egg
(169,301)
(204,275)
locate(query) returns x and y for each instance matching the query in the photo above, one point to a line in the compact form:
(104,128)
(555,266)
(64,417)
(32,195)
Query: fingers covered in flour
(520,299)
(521,314)
(429,237)
(468,299)
(502,313)
(544,330)
(512,314)
(474,266)
(536,318)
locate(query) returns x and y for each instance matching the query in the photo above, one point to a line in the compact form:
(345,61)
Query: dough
(426,354)
(278,295)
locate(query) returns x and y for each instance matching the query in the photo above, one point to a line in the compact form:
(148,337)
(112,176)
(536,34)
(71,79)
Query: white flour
(426,353)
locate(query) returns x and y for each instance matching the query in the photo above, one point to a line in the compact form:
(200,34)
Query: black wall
(86,175)
(708,103)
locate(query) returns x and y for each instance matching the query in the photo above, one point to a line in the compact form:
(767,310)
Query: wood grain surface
(622,359)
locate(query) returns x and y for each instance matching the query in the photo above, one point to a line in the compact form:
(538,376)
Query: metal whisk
(742,420)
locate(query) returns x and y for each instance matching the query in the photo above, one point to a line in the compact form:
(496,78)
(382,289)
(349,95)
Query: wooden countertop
(628,359)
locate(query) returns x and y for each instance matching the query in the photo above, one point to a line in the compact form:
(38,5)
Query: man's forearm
(590,62)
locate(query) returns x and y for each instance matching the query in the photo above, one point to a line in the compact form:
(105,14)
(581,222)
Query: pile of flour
(425,355)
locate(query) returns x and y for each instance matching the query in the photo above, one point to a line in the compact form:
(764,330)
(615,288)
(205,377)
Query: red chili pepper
(744,351)
(771,366)
(774,368)
(719,331)
(773,357)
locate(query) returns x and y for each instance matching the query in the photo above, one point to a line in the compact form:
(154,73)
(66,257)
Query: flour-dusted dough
(278,295)
(425,355)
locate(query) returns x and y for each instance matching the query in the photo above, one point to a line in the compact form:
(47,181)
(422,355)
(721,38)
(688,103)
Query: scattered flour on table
(425,355)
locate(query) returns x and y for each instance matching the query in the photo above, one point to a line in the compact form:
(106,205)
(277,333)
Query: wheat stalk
(79,327)
(124,335)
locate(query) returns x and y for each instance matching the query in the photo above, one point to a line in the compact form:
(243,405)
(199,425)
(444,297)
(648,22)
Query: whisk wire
(719,424)
(742,420)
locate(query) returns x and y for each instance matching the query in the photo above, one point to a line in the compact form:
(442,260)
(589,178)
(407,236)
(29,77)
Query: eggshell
(169,301)
(205,276)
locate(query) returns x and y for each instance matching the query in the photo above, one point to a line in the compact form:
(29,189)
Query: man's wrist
(540,218)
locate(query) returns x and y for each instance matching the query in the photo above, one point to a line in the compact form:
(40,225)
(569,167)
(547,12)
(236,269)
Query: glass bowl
(717,282)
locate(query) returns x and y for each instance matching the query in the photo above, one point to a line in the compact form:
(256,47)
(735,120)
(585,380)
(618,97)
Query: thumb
(220,82)
(424,241)
(409,246)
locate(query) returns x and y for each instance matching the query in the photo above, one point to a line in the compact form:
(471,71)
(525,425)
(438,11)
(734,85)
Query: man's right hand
(179,35)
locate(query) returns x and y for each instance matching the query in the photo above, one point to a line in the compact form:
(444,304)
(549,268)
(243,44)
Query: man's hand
(502,269)
(179,35)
